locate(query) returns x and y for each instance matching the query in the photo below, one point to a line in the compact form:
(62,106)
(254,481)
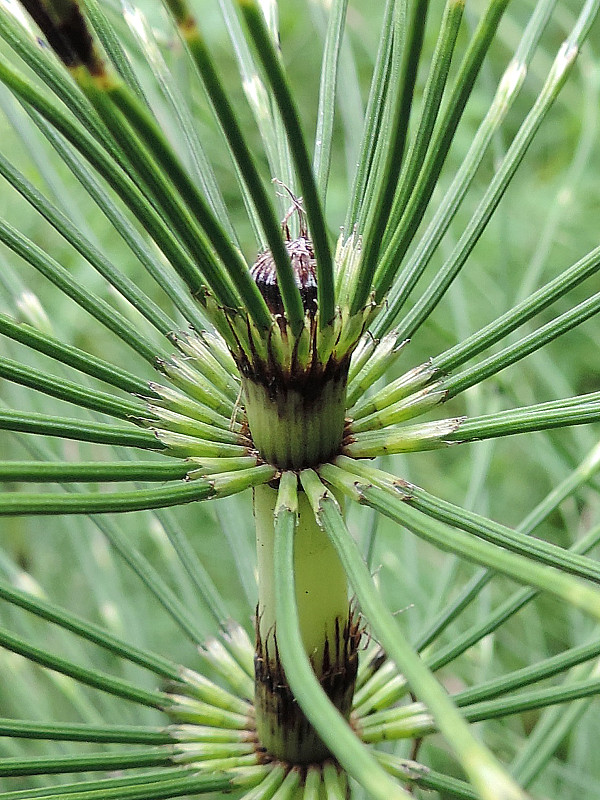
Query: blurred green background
(547,220)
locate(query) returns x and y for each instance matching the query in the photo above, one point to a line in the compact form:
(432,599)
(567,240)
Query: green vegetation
(195,364)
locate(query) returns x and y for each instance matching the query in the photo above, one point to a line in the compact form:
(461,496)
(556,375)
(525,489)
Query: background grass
(547,220)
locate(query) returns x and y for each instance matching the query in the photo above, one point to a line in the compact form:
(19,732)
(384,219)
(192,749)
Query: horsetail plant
(264,373)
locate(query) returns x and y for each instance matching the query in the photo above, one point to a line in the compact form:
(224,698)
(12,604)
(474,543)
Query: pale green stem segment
(328,722)
(321,586)
(486,775)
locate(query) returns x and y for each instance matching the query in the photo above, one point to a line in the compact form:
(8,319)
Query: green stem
(297,424)
(325,626)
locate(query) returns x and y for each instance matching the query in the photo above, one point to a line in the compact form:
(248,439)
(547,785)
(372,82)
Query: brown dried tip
(304,265)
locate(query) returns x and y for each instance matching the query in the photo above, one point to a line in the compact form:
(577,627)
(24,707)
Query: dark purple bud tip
(304,265)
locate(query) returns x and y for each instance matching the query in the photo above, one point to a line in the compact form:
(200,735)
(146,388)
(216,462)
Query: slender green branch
(241,152)
(121,183)
(373,118)
(442,433)
(468,521)
(61,223)
(25,503)
(409,721)
(432,97)
(520,678)
(553,726)
(557,77)
(74,357)
(488,778)
(391,160)
(393,505)
(327,94)
(200,353)
(69,391)
(523,347)
(84,732)
(100,432)
(92,472)
(109,38)
(519,314)
(507,609)
(153,160)
(527,419)
(533,700)
(12,504)
(266,115)
(414,405)
(327,720)
(403,439)
(437,153)
(12,767)
(287,108)
(157,785)
(64,280)
(412,381)
(426,778)
(378,361)
(179,423)
(200,166)
(88,630)
(230,255)
(86,675)
(167,276)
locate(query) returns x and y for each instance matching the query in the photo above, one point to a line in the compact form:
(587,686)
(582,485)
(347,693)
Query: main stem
(297,423)
(327,630)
